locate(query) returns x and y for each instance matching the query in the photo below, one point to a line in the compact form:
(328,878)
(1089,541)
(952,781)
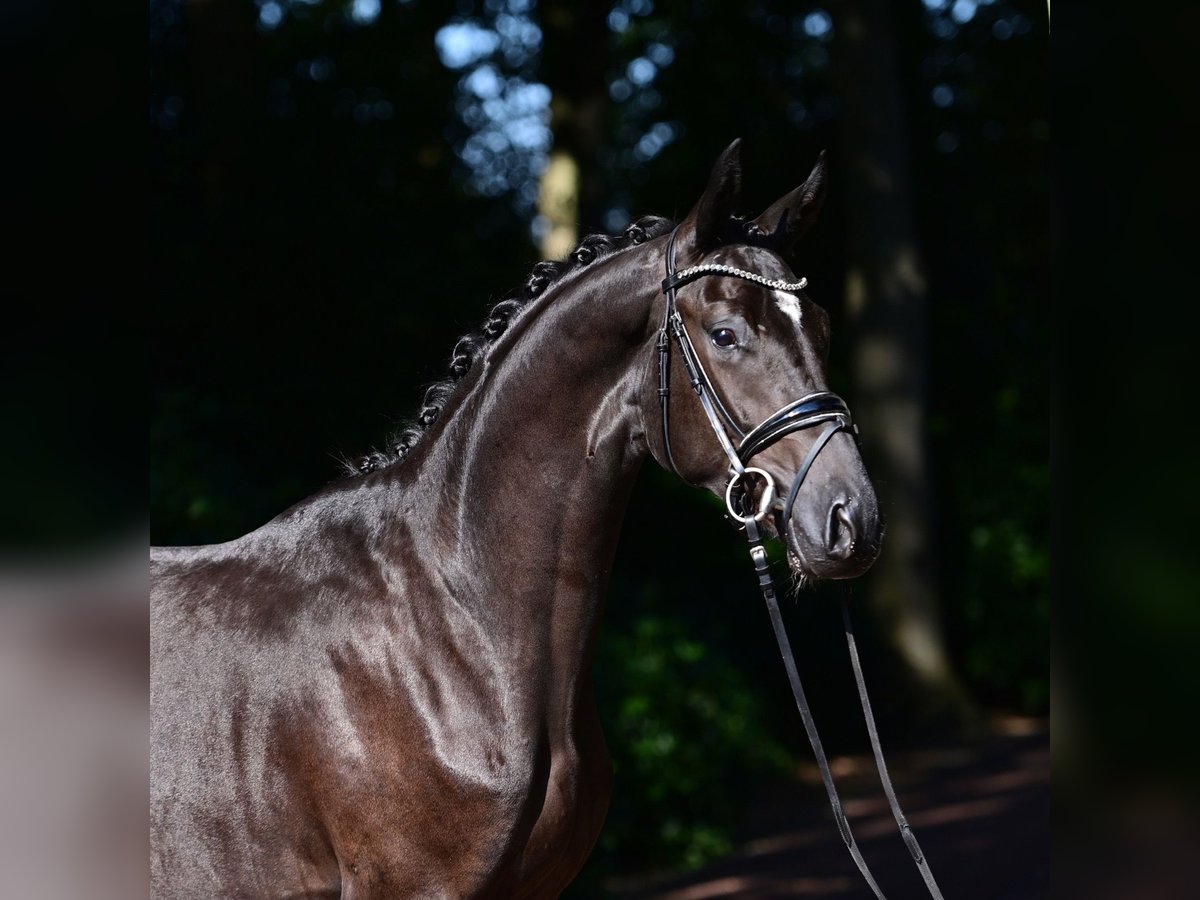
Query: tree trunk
(575,51)
(887,306)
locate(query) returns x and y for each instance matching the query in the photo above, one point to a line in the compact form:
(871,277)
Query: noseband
(813,410)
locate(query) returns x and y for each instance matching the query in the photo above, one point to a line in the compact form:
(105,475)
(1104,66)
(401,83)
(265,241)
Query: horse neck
(527,482)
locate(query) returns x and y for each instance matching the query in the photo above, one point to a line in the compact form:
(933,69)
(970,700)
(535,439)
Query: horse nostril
(841,537)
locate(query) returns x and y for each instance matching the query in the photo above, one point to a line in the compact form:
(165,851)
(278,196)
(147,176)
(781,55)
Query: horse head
(767,434)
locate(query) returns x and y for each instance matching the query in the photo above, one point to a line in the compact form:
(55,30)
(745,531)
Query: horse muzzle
(834,540)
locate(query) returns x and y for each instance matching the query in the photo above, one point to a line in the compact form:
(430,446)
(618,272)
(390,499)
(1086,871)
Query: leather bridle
(811,411)
(819,408)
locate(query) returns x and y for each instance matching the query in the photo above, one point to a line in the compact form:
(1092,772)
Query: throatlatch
(821,408)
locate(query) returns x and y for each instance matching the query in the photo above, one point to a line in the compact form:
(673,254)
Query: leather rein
(813,410)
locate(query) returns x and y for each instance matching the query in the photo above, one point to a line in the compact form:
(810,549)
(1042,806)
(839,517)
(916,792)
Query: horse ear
(701,230)
(789,217)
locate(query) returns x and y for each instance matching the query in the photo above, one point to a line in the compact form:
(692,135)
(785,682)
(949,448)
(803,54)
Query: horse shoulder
(370,713)
(430,761)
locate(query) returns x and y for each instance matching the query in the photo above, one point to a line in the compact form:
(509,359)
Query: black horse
(386,691)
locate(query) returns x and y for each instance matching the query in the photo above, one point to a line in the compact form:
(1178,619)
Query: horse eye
(723,337)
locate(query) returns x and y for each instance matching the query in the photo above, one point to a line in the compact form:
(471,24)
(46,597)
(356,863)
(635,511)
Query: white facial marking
(790,304)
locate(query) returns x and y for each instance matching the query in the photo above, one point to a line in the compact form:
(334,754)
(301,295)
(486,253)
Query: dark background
(340,189)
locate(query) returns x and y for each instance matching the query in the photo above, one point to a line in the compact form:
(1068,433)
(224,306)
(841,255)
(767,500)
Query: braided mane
(472,346)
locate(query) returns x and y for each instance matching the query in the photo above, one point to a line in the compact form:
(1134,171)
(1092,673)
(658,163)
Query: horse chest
(577,789)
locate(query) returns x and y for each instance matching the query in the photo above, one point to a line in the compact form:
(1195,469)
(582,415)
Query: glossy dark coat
(386,690)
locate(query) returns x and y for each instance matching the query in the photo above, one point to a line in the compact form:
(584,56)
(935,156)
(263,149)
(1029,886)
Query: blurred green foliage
(680,719)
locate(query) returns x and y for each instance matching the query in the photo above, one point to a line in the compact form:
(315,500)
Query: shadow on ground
(981,811)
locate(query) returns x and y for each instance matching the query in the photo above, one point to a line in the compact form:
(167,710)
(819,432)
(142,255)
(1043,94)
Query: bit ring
(765,502)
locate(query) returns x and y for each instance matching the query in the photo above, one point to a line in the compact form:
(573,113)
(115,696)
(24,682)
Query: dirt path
(980,810)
